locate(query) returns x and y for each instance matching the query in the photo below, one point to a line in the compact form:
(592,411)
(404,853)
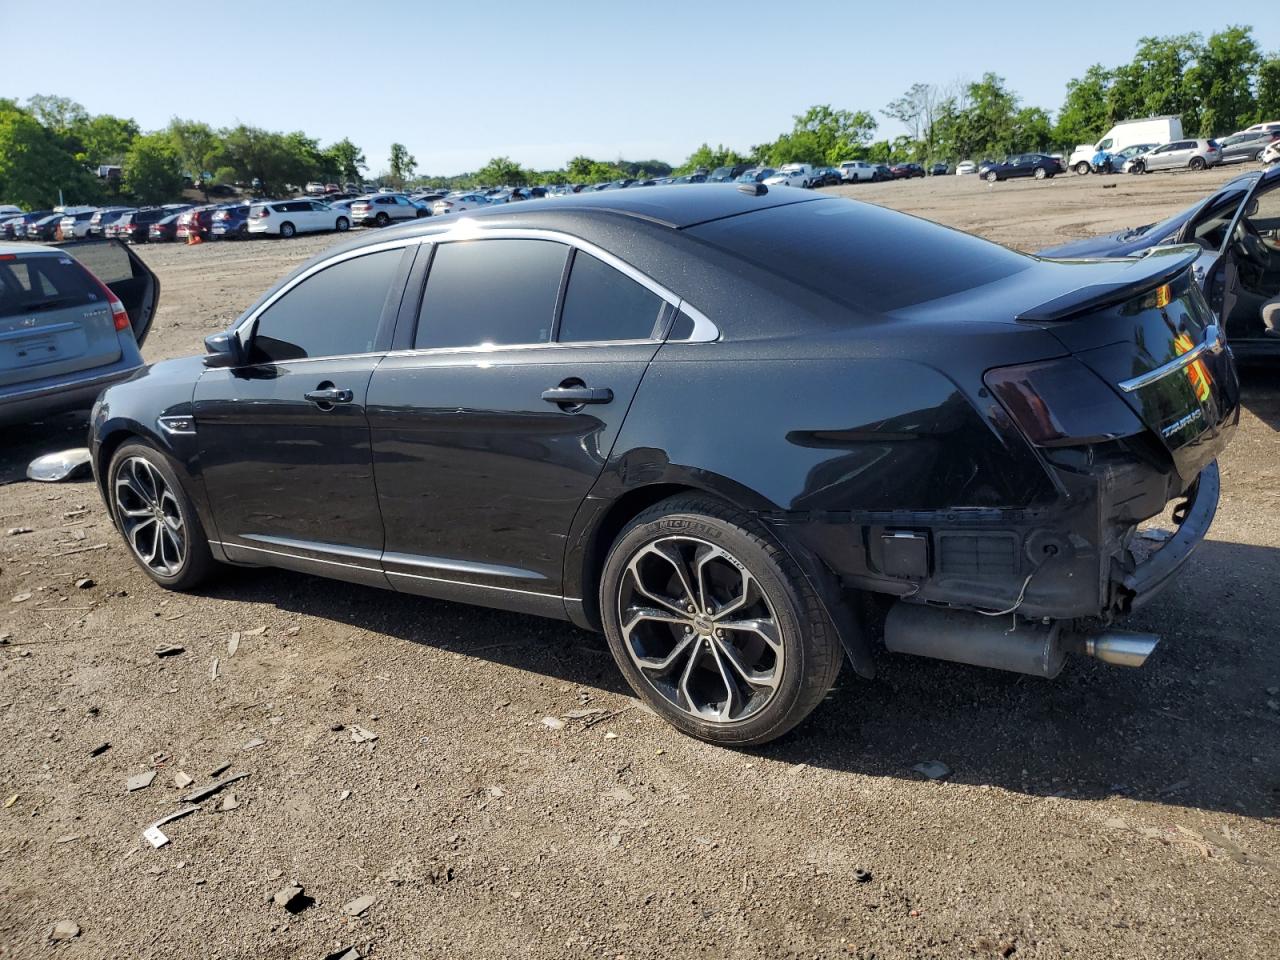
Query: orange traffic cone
(193,238)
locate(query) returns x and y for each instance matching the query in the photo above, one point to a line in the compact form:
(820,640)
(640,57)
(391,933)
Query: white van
(1147,130)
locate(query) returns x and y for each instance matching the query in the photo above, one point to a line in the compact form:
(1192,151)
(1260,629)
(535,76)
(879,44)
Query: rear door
(492,425)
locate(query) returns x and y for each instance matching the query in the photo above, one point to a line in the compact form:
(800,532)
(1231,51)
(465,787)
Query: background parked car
(1242,147)
(459,202)
(83,312)
(231,223)
(825,177)
(75,222)
(1179,155)
(1272,153)
(966,167)
(1038,165)
(755,175)
(285,218)
(855,171)
(104,216)
(165,229)
(787,178)
(46,228)
(382,208)
(939,170)
(15,228)
(728,174)
(197,221)
(880,173)
(905,171)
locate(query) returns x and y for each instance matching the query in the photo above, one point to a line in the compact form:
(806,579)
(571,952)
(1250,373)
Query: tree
(35,166)
(402,165)
(58,115)
(503,171)
(822,136)
(198,149)
(705,158)
(1221,82)
(918,111)
(153,169)
(104,139)
(346,160)
(1154,84)
(1268,102)
(1083,117)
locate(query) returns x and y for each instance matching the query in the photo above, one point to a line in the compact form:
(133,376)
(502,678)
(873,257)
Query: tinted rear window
(602,304)
(29,284)
(862,255)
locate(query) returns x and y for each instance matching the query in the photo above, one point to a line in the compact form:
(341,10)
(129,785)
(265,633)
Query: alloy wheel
(150,517)
(699,628)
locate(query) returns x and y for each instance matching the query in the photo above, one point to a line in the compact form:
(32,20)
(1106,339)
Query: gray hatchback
(70,324)
(1179,155)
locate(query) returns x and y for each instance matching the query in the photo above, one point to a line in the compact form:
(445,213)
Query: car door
(284,439)
(492,425)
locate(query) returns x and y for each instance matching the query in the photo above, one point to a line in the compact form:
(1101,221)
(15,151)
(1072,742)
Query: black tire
(1197,163)
(1040,173)
(242,232)
(197,562)
(1257,157)
(381,220)
(992,176)
(1138,167)
(1082,168)
(342,225)
(287,230)
(810,650)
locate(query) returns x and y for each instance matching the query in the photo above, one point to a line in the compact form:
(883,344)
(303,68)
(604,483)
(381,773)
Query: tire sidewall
(778,715)
(287,230)
(342,225)
(196,563)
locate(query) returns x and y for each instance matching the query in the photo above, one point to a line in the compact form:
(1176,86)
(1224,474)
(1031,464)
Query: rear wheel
(714,625)
(1040,173)
(287,229)
(156,518)
(343,225)
(992,177)
(381,219)
(1197,163)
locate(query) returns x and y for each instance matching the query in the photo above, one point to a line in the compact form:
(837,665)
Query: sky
(540,83)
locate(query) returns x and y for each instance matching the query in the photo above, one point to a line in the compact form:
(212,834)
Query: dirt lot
(1110,813)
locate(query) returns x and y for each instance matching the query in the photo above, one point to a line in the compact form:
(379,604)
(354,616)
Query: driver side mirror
(224,350)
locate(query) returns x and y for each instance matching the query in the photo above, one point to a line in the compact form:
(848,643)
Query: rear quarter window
(862,255)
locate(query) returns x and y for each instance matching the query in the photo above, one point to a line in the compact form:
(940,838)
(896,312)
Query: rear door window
(333,313)
(602,304)
(490,292)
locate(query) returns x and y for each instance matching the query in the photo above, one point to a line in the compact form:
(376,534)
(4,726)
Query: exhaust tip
(1120,648)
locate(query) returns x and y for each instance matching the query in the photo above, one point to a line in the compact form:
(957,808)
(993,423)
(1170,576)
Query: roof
(677,206)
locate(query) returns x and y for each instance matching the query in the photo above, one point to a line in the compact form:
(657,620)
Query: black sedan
(1237,232)
(745,432)
(1038,165)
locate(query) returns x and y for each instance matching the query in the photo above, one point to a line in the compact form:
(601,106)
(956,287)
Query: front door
(284,440)
(489,434)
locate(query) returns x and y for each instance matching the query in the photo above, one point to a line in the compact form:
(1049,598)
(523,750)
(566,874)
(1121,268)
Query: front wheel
(1082,168)
(714,625)
(1197,163)
(156,518)
(381,219)
(1040,173)
(287,230)
(1139,168)
(991,177)
(343,225)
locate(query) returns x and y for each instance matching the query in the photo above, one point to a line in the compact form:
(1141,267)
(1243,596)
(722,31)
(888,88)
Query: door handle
(573,396)
(325,397)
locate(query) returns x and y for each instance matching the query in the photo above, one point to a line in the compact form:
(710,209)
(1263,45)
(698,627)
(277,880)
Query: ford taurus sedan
(748,433)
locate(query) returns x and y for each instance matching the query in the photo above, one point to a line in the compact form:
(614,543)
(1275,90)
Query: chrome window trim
(1212,343)
(704,329)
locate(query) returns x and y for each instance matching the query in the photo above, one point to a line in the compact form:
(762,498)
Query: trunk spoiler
(1156,267)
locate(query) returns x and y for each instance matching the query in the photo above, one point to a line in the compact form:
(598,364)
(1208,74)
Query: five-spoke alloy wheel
(714,625)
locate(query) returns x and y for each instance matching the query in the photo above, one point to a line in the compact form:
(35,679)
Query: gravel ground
(1108,813)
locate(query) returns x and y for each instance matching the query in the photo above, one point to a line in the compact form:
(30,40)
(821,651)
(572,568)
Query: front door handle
(326,396)
(573,396)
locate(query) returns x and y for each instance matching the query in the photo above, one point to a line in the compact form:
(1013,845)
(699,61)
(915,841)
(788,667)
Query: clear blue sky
(459,83)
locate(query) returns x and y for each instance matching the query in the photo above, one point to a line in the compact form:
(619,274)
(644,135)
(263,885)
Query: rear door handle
(572,396)
(327,396)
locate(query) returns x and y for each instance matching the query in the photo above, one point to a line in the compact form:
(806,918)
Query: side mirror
(224,350)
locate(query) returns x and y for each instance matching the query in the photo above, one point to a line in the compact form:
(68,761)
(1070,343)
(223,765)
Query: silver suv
(1178,155)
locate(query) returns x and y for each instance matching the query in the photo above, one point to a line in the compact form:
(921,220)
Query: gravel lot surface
(1109,813)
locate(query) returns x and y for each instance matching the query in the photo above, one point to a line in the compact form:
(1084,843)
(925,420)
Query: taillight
(119,315)
(1061,402)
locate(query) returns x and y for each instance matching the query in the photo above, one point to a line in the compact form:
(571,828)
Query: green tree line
(51,146)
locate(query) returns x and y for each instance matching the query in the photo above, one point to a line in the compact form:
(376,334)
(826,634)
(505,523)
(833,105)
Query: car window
(602,304)
(1263,215)
(495,292)
(44,282)
(332,313)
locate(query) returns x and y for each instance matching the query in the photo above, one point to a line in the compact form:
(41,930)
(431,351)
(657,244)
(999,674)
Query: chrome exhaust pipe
(1121,648)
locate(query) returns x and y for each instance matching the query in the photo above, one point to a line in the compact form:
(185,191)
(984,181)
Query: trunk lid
(1145,328)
